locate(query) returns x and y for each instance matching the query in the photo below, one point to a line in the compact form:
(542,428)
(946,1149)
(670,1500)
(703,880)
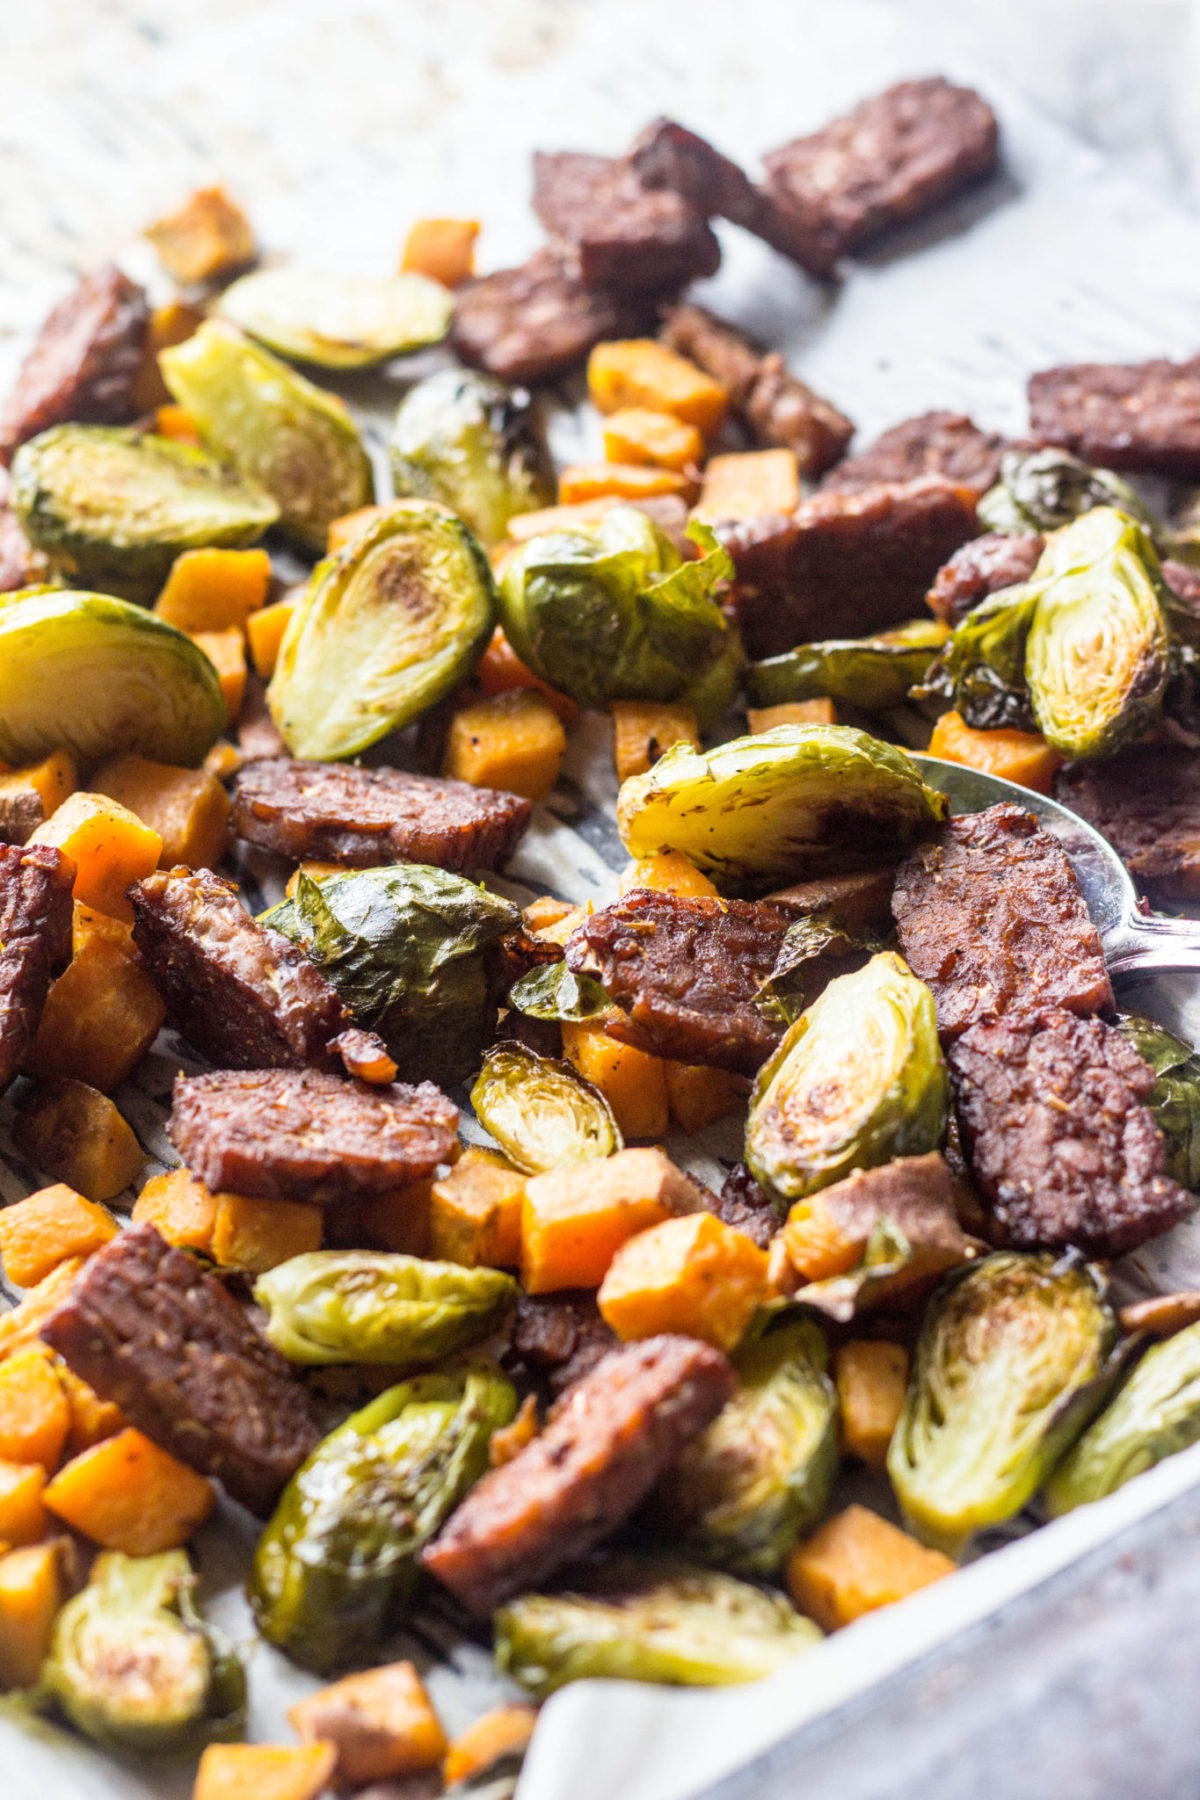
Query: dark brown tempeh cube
(83,362)
(936,443)
(607,1442)
(842,565)
(334,812)
(243,995)
(295,1134)
(897,156)
(990,915)
(1139,416)
(148,1329)
(743,1204)
(538,321)
(623,236)
(1060,1140)
(562,1336)
(1146,802)
(775,404)
(35,940)
(981,568)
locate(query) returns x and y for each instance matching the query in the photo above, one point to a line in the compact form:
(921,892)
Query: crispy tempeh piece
(538,321)
(1146,802)
(981,568)
(35,938)
(83,363)
(935,443)
(561,1335)
(622,235)
(149,1330)
(1140,416)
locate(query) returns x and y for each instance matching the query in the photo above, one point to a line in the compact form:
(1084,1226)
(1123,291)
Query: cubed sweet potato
(214,590)
(29,796)
(226,650)
(670,872)
(223,760)
(523,526)
(31,1592)
(22,1515)
(694,1275)
(641,372)
(92,1419)
(126,1494)
(636,435)
(75,1134)
(633,1083)
(100,1018)
(38,1233)
(180,1208)
(443,249)
(264,1771)
(627,481)
(791,712)
(176,423)
(749,484)
(21,1325)
(822,1241)
(257,1235)
(208,235)
(643,730)
(872,1378)
(172,323)
(698,1095)
(316,871)
(857,1562)
(574,1220)
(513,741)
(501,670)
(499,1734)
(1021,756)
(188,809)
(381,1722)
(264,634)
(34,1415)
(475,1212)
(110,847)
(87,924)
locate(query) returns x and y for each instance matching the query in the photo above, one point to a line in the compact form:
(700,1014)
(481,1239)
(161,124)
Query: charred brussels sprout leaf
(338,321)
(557,992)
(637,1619)
(1041,490)
(99,677)
(1155,1415)
(802,967)
(541,1113)
(859,1079)
(1098,655)
(394,621)
(133,1666)
(872,673)
(761,1474)
(336,1566)
(981,671)
(112,507)
(293,439)
(410,950)
(787,805)
(1010,1364)
(373,1306)
(1175,1098)
(476,446)
(610,611)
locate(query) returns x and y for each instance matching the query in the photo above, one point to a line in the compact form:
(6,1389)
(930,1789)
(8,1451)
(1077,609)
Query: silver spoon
(1135,942)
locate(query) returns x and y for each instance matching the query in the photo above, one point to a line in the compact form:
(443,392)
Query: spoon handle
(1150,945)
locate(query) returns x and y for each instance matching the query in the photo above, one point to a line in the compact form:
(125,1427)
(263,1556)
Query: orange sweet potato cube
(504,1732)
(694,1275)
(30,795)
(100,1017)
(857,1562)
(257,1235)
(627,481)
(872,1379)
(31,1592)
(126,1494)
(214,590)
(643,372)
(698,1095)
(749,484)
(34,1415)
(264,633)
(180,1208)
(208,235)
(443,249)
(264,1771)
(791,712)
(226,650)
(188,809)
(514,741)
(110,847)
(22,1515)
(475,1212)
(669,872)
(643,730)
(636,435)
(1021,756)
(633,1083)
(38,1233)
(575,1219)
(381,1722)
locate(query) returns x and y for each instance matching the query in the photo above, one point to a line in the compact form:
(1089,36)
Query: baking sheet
(339,123)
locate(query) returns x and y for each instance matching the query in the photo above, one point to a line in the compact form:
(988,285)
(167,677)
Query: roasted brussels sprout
(610,611)
(981,671)
(373,1306)
(1041,490)
(475,445)
(788,805)
(411,950)
(113,507)
(336,1566)
(637,1619)
(293,439)
(859,1079)
(557,992)
(385,628)
(1175,1097)
(338,321)
(872,673)
(541,1113)
(133,1666)
(811,950)
(98,677)
(761,1474)
(1098,655)
(1155,1415)
(1010,1365)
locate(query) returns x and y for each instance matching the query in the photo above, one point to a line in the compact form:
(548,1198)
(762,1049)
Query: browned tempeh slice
(83,363)
(622,235)
(35,938)
(935,443)
(539,321)
(1140,416)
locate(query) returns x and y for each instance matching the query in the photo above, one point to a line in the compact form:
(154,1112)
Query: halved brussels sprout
(541,1112)
(872,673)
(639,1619)
(375,1306)
(809,956)
(859,1079)
(1098,655)
(133,1666)
(113,507)
(1010,1365)
(394,621)
(293,439)
(761,1474)
(336,1566)
(981,671)
(1175,1097)
(610,611)
(338,321)
(1155,1415)
(100,677)
(787,805)
(411,950)
(475,445)
(1041,490)
(557,992)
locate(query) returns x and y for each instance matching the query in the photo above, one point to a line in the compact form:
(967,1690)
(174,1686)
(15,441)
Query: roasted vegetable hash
(544,1380)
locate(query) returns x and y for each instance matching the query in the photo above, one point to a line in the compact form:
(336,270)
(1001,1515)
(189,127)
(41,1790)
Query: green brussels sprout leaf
(338,321)
(556,992)
(872,673)
(1041,490)
(475,445)
(1175,1097)
(981,671)
(810,955)
(541,1112)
